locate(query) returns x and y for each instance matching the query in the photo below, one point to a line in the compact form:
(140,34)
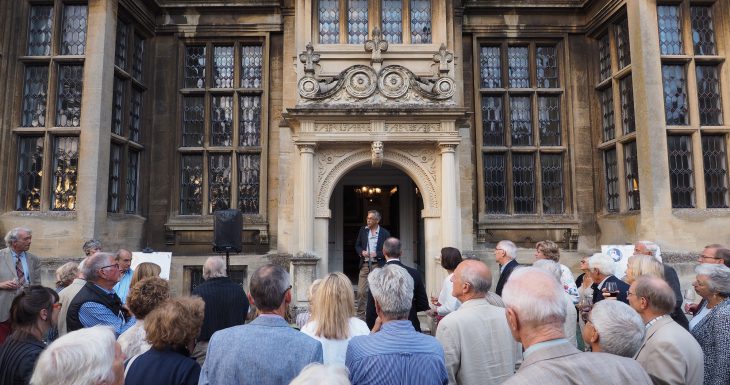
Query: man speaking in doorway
(369,247)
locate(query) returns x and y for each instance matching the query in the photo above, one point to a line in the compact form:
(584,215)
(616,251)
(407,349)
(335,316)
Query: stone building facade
(587,122)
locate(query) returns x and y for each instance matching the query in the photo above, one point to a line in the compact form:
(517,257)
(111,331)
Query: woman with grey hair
(711,326)
(65,275)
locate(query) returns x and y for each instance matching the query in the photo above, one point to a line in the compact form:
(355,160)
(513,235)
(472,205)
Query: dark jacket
(504,276)
(362,244)
(18,356)
(163,367)
(623,289)
(670,275)
(91,293)
(420,299)
(226,305)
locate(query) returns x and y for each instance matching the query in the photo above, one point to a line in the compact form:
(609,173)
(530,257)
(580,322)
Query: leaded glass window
(549,120)
(491,67)
(681,174)
(65,173)
(604,57)
(493,120)
(135,113)
(357,21)
(628,121)
(519,68)
(193,121)
(73,33)
(523,181)
(251,66)
(219,182)
(553,201)
(249,169)
(708,95)
(611,169)
(495,190)
(35,96)
(132,176)
(392,21)
(670,29)
(714,160)
(223,66)
(329,21)
(631,166)
(703,30)
(68,98)
(118,106)
(521,118)
(622,43)
(138,58)
(30,173)
(607,117)
(420,21)
(221,121)
(120,54)
(547,67)
(675,94)
(195,66)
(191,185)
(115,175)
(250,121)
(40,30)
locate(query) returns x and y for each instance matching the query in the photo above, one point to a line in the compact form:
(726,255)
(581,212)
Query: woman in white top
(446,303)
(332,321)
(550,250)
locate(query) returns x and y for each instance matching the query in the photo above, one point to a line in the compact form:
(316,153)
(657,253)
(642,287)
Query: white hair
(392,287)
(602,262)
(214,267)
(718,277)
(95,262)
(619,326)
(550,266)
(653,248)
(509,248)
(82,357)
(12,235)
(318,374)
(536,296)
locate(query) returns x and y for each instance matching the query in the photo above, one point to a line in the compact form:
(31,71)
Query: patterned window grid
(121,52)
(626,89)
(420,11)
(191,185)
(714,160)
(249,169)
(607,114)
(521,120)
(703,30)
(73,33)
(547,66)
(250,121)
(708,95)
(195,66)
(29,173)
(491,67)
(519,67)
(65,173)
(548,109)
(219,182)
(623,48)
(523,182)
(675,94)
(681,173)
(357,22)
(670,29)
(135,114)
(553,201)
(328,13)
(392,21)
(223,66)
(68,97)
(604,57)
(492,120)
(115,175)
(40,30)
(118,106)
(631,165)
(252,59)
(131,182)
(193,126)
(138,58)
(495,183)
(610,167)
(221,126)
(35,96)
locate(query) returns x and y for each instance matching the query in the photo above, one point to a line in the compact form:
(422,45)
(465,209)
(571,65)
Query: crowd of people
(106,323)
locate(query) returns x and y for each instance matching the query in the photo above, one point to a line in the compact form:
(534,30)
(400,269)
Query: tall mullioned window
(222,131)
(693,103)
(523,145)
(615,97)
(50,121)
(350,21)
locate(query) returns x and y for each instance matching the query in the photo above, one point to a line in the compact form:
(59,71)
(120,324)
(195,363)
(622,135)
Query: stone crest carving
(377,153)
(376,45)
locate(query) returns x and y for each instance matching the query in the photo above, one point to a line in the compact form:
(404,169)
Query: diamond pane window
(191,185)
(547,67)
(223,66)
(490,67)
(73,34)
(193,121)
(392,21)
(495,191)
(622,43)
(65,173)
(120,54)
(675,94)
(221,121)
(250,121)
(681,175)
(420,21)
(523,183)
(115,165)
(493,121)
(552,183)
(627,105)
(519,67)
(130,206)
(708,95)
(631,165)
(195,66)
(714,160)
(521,118)
(329,21)
(670,29)
(68,99)
(357,22)
(548,109)
(607,121)
(703,30)
(611,169)
(252,57)
(40,30)
(604,57)
(118,106)
(30,173)
(135,112)
(35,95)
(219,182)
(138,57)
(249,170)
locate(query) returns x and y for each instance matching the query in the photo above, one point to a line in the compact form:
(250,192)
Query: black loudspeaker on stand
(227,232)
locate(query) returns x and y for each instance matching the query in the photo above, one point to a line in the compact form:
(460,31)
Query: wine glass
(585,304)
(690,298)
(611,289)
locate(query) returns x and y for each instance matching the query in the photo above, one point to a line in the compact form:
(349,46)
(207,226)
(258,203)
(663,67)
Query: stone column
(305,192)
(321,242)
(432,231)
(450,217)
(303,270)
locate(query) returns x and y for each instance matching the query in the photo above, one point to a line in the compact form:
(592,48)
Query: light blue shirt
(24,262)
(542,345)
(93,313)
(122,287)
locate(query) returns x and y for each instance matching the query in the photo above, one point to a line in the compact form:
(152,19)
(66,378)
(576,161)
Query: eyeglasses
(116,265)
(707,257)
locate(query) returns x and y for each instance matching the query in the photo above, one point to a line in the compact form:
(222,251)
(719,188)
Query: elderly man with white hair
(397,353)
(536,312)
(571,312)
(505,253)
(601,269)
(670,275)
(614,327)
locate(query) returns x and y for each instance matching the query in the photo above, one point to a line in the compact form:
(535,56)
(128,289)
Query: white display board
(162,259)
(620,255)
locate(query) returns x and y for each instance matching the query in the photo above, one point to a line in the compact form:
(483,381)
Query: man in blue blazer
(266,351)
(369,248)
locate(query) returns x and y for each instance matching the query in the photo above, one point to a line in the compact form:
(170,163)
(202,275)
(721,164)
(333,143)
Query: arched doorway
(388,190)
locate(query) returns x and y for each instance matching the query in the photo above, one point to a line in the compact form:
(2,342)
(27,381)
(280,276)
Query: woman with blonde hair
(333,322)
(144,270)
(303,318)
(550,250)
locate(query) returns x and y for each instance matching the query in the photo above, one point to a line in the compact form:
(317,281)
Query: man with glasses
(18,268)
(715,254)
(505,254)
(97,303)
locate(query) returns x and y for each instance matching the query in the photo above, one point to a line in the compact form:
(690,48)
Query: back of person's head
(641,264)
(268,285)
(175,322)
(96,262)
(26,307)
(146,295)
(651,248)
(549,249)
(536,296)
(318,374)
(477,274)
(601,262)
(552,267)
(509,247)
(392,287)
(657,292)
(145,270)
(723,254)
(82,357)
(620,328)
(392,247)
(66,273)
(450,258)
(214,267)
(334,304)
